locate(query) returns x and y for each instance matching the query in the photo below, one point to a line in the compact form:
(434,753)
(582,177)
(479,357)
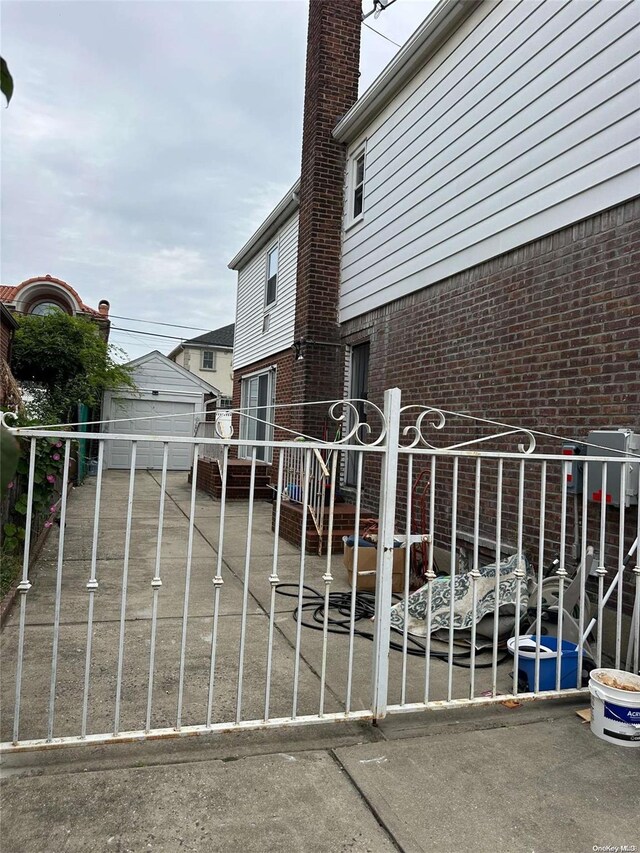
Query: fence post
(384,567)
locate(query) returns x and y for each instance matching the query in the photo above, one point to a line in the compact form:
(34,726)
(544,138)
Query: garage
(167,400)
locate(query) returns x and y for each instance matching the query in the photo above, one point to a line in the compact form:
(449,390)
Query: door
(159,417)
(359,391)
(257,421)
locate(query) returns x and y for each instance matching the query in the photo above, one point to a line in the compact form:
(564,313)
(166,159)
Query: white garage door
(149,453)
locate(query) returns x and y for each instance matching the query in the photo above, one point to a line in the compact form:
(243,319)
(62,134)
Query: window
(208,361)
(272,275)
(358,390)
(357,186)
(44,308)
(256,420)
(265,324)
(225,402)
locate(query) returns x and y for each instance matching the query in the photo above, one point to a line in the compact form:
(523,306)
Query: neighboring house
(44,294)
(167,400)
(9,392)
(209,356)
(469,228)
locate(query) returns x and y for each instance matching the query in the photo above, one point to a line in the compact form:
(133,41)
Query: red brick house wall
(545,336)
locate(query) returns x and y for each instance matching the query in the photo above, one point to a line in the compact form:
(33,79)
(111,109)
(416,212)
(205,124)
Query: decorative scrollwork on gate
(436,419)
(358,430)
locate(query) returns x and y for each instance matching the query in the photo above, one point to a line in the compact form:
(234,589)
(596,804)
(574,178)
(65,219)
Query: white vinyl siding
(251,343)
(525,121)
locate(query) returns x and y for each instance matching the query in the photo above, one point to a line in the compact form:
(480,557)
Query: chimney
(103,308)
(331,88)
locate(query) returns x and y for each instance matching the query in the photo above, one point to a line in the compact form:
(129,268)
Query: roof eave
(8,316)
(427,39)
(201,345)
(278,216)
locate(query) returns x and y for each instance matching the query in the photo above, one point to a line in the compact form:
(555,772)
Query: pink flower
(48,524)
(56,457)
(53,508)
(51,478)
(58,444)
(11,485)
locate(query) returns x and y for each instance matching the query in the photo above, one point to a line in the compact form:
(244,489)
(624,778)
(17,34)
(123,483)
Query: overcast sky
(147,140)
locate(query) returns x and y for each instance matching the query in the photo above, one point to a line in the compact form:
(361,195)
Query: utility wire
(159,323)
(149,334)
(369,27)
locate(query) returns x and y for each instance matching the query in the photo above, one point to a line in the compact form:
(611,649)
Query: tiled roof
(222,337)
(9,293)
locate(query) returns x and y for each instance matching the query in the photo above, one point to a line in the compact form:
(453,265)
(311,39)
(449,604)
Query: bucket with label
(615,706)
(548,662)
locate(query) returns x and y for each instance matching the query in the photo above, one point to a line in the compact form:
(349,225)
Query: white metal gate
(155,611)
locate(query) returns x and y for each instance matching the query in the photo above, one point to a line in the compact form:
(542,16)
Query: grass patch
(10,567)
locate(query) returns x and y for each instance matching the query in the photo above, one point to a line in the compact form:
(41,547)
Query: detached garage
(170,401)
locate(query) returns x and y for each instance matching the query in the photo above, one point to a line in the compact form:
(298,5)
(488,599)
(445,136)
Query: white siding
(525,121)
(250,343)
(158,375)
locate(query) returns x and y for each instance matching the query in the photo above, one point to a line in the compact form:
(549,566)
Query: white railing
(293,465)
(212,450)
(134,546)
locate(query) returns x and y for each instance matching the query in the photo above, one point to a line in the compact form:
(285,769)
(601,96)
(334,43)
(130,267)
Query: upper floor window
(44,308)
(357,186)
(208,360)
(272,275)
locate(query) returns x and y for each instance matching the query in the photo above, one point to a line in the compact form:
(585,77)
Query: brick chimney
(103,307)
(331,88)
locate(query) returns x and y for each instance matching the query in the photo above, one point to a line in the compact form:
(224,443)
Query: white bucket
(615,714)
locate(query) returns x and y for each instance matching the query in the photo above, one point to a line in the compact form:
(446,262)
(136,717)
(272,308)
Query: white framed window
(356,187)
(256,419)
(208,359)
(265,323)
(272,276)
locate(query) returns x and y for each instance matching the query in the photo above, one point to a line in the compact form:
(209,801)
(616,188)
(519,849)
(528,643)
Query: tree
(62,361)
(6,80)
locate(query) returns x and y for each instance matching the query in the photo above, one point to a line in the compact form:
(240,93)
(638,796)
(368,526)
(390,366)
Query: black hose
(340,604)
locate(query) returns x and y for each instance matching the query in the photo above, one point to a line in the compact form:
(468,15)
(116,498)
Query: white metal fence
(199,618)
(294,466)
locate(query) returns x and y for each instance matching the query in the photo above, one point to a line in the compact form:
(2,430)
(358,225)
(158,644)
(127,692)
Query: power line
(159,323)
(149,334)
(369,27)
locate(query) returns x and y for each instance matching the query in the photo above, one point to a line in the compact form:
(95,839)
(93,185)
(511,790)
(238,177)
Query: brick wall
(545,336)
(331,88)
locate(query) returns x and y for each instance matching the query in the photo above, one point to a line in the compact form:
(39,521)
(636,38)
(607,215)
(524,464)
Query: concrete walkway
(529,778)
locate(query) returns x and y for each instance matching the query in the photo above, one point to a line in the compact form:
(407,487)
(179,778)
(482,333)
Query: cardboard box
(367,558)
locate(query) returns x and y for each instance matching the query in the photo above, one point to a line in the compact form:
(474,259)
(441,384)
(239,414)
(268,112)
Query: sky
(146,141)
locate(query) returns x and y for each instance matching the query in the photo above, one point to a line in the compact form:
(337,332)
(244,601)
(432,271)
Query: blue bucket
(548,662)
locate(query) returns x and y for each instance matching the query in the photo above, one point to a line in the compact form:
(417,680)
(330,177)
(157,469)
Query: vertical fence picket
(92,588)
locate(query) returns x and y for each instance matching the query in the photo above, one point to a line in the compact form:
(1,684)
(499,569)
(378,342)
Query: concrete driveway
(74,605)
(488,779)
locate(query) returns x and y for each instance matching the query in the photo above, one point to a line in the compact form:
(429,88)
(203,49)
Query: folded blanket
(462,606)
